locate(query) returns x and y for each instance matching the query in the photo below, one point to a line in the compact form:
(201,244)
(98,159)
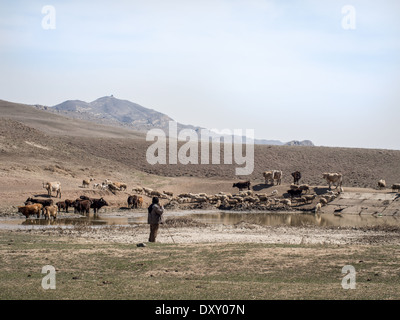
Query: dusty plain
(191,260)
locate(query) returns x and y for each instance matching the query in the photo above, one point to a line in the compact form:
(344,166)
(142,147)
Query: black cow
(44,202)
(98,204)
(296,177)
(62,205)
(82,206)
(295,192)
(242,185)
(68,204)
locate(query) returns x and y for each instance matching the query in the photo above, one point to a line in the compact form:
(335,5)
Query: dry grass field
(92,269)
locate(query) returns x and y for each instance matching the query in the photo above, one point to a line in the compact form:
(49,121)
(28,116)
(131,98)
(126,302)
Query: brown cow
(82,206)
(31,209)
(139,203)
(135,201)
(50,211)
(296,177)
(62,205)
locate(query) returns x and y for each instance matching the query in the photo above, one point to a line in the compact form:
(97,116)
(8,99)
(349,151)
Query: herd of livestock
(297,193)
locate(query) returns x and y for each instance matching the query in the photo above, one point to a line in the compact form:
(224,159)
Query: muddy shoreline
(194,232)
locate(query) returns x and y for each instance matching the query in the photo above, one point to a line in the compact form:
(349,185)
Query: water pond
(294,219)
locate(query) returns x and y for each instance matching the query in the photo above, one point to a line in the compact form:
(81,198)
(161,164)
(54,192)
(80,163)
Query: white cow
(333,178)
(53,187)
(271,176)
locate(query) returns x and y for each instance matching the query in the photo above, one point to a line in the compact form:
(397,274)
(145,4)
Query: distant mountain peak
(300,143)
(118,112)
(109,108)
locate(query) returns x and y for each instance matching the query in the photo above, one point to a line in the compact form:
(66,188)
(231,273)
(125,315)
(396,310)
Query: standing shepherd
(154,218)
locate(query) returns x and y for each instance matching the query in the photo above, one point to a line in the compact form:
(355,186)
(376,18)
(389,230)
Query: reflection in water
(265,219)
(218,217)
(281,218)
(294,219)
(66,221)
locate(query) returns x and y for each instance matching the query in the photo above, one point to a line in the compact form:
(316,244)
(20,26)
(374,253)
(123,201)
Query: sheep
(302,200)
(323,201)
(221,197)
(304,187)
(239,199)
(274,193)
(212,199)
(286,202)
(200,199)
(396,186)
(138,190)
(318,207)
(262,197)
(232,201)
(168,193)
(294,186)
(86,182)
(121,186)
(381,184)
(309,197)
(251,199)
(155,193)
(181,195)
(147,190)
(104,186)
(229,195)
(329,197)
(113,188)
(182,200)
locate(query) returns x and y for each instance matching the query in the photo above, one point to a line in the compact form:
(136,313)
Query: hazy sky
(287,69)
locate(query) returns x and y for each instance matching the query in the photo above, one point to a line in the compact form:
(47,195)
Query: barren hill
(37,143)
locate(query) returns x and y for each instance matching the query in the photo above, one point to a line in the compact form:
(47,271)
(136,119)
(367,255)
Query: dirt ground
(36,147)
(190,232)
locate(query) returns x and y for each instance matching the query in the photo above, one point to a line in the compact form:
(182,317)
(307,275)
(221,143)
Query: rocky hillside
(123,113)
(34,141)
(110,110)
